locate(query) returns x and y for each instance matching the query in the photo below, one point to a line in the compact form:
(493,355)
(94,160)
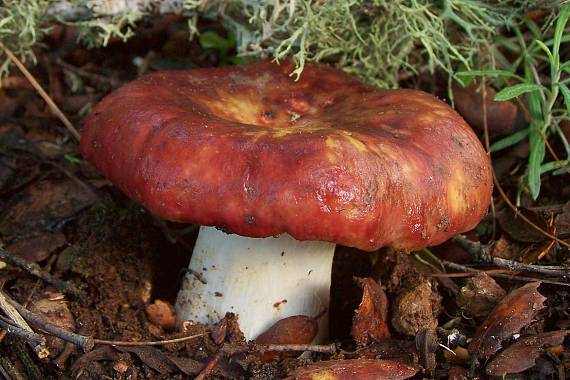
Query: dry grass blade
(54,108)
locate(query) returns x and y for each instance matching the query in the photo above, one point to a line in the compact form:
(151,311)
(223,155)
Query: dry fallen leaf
(361,369)
(162,363)
(370,322)
(520,230)
(521,355)
(427,345)
(37,248)
(563,222)
(502,117)
(298,329)
(479,295)
(54,309)
(44,206)
(515,311)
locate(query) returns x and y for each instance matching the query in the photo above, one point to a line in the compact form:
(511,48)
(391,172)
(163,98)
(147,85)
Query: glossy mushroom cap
(253,151)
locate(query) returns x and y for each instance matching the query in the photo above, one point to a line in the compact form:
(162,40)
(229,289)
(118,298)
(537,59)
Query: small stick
(483,250)
(148,343)
(85,342)
(323,348)
(68,350)
(35,270)
(212,364)
(51,104)
(480,252)
(97,78)
(34,340)
(464,268)
(558,271)
(20,327)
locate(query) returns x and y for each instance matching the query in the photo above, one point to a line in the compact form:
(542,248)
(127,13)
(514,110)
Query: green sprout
(548,100)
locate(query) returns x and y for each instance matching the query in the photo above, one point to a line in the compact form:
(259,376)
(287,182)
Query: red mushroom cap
(253,151)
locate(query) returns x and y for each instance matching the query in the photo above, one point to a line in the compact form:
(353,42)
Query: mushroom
(278,171)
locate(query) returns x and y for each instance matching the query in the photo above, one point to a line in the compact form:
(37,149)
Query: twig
(557,271)
(322,348)
(85,342)
(68,350)
(19,327)
(464,268)
(36,341)
(212,364)
(147,343)
(96,78)
(9,370)
(480,252)
(51,104)
(35,270)
(29,365)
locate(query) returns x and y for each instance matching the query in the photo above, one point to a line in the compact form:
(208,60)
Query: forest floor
(76,253)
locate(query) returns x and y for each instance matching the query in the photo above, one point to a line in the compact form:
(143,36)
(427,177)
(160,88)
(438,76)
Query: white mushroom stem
(260,280)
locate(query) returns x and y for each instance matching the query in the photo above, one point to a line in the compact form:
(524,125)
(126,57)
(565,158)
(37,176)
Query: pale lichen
(379,41)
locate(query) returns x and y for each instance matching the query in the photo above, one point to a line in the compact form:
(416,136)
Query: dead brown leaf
(361,369)
(479,295)
(54,309)
(37,248)
(504,248)
(521,355)
(563,222)
(101,353)
(370,322)
(519,229)
(44,205)
(427,345)
(502,117)
(162,363)
(515,311)
(298,329)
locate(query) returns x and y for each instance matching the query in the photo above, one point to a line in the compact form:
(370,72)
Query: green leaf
(509,140)
(516,90)
(535,158)
(489,73)
(559,31)
(533,27)
(546,50)
(554,166)
(71,158)
(212,40)
(566,95)
(534,99)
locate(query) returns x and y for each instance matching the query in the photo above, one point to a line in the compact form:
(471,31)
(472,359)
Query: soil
(57,212)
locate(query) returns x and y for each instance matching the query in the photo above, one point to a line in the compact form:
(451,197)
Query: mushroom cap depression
(254,152)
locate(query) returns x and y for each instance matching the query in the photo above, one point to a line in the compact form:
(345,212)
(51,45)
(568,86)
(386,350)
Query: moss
(378,40)
(20,29)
